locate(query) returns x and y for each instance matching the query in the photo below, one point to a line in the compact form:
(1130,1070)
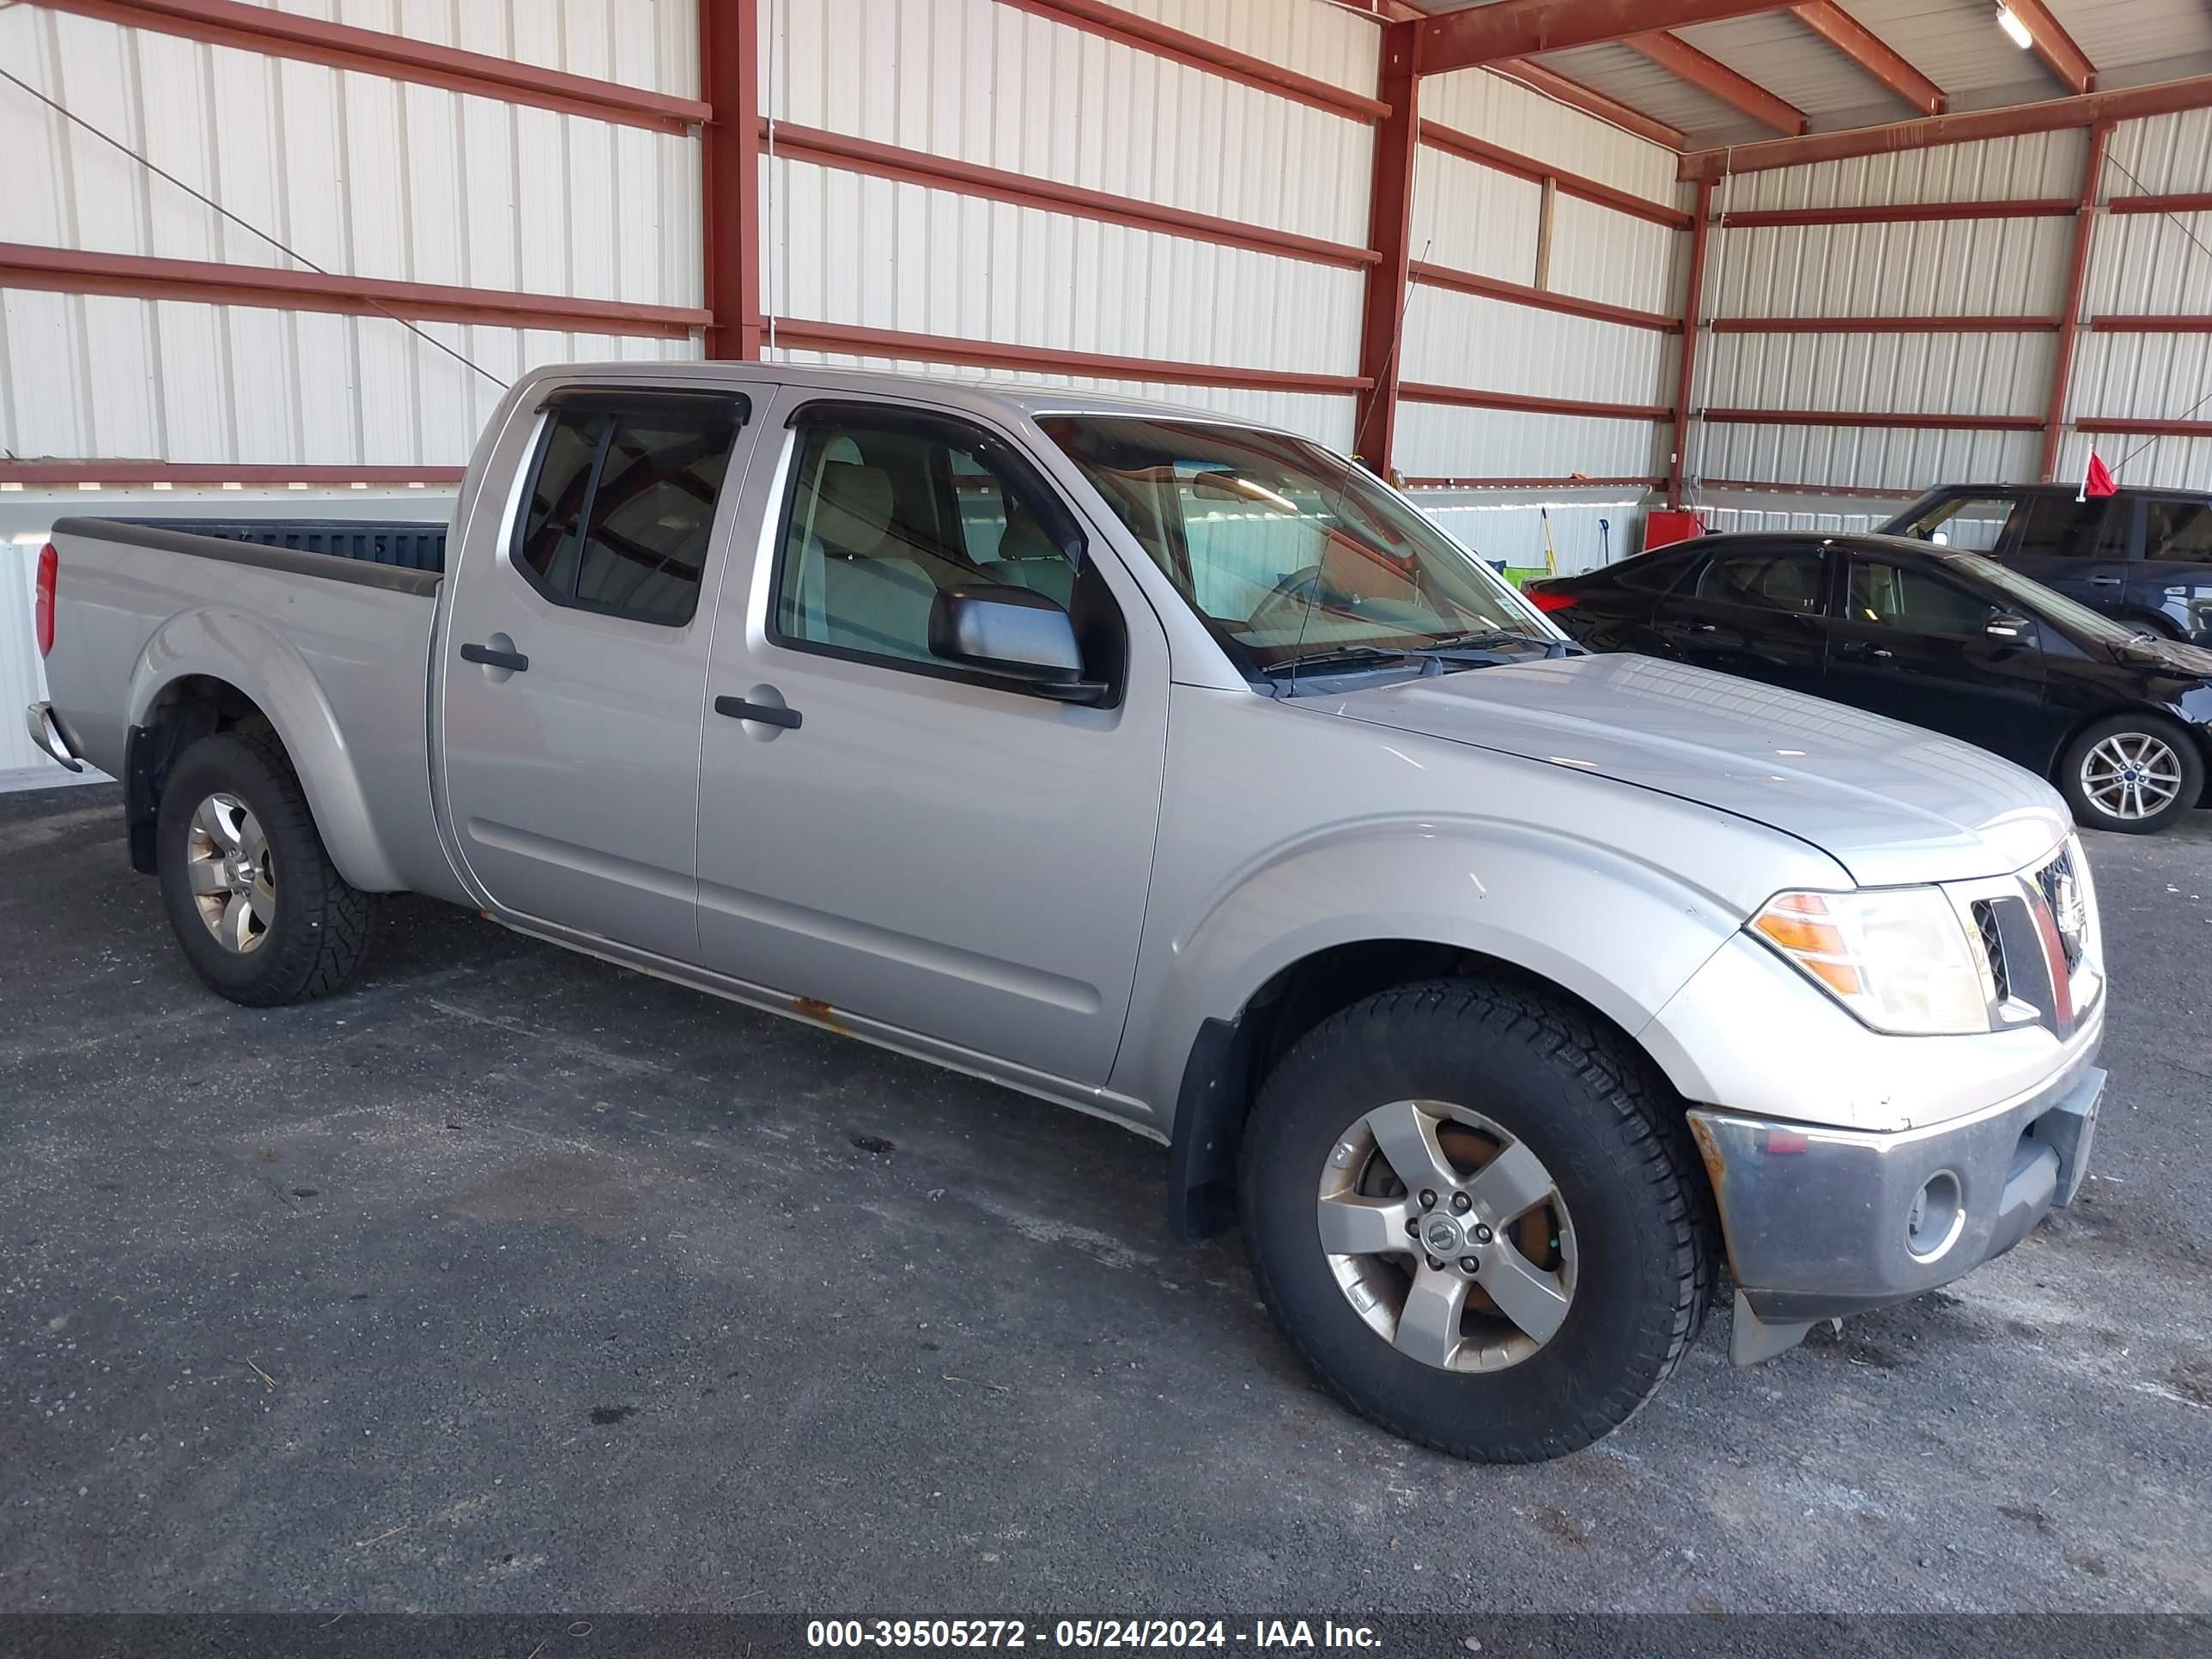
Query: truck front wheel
(262,914)
(1472,1214)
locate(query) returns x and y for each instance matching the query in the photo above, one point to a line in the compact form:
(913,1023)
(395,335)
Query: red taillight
(1554,600)
(50,567)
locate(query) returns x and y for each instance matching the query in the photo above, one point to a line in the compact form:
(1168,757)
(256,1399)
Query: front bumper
(1820,1222)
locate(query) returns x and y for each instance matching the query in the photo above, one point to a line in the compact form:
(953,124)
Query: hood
(1893,804)
(2183,662)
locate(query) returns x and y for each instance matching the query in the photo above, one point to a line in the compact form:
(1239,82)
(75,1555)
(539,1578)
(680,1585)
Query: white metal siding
(1441,440)
(1471,217)
(1506,114)
(843,248)
(986,83)
(2038,165)
(1971,375)
(1460,340)
(650,44)
(1960,268)
(1844,458)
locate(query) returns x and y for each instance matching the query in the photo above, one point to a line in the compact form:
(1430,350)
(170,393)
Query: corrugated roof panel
(1505,112)
(990,85)
(1960,268)
(1633,79)
(1785,57)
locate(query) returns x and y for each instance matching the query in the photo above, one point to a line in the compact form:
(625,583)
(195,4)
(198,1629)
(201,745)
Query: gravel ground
(514,1282)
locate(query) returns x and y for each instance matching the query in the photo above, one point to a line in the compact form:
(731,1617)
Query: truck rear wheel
(262,914)
(1473,1216)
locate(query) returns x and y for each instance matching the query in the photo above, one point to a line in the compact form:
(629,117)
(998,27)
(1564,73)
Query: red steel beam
(1884,324)
(1814,489)
(1481,151)
(1693,305)
(1540,299)
(1573,481)
(1716,79)
(2148,428)
(2053,115)
(1884,418)
(2055,46)
(837,149)
(2077,277)
(2197,201)
(1390,228)
(277,33)
(138,276)
(729,177)
(1460,397)
(800,334)
(2175,324)
(1900,213)
(1522,28)
(1127,27)
(1589,100)
(67,472)
(1871,53)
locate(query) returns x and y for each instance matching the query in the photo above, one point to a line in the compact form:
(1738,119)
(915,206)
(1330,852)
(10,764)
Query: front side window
(621,506)
(1789,580)
(1914,602)
(890,509)
(2177,532)
(1974,522)
(1286,553)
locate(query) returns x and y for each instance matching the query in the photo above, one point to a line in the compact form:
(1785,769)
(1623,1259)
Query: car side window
(1976,523)
(2177,532)
(1914,602)
(2058,526)
(620,510)
(889,508)
(1791,580)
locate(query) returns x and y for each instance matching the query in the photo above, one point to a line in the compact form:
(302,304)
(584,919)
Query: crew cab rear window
(620,509)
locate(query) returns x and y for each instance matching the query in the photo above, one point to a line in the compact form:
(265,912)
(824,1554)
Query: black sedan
(2120,718)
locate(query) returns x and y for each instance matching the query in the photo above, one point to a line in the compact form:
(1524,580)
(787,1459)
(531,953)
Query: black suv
(2144,556)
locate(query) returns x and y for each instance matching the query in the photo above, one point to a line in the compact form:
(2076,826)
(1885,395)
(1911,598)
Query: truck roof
(967,391)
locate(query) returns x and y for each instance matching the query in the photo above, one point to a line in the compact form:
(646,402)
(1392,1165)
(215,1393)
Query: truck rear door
(575,663)
(885,832)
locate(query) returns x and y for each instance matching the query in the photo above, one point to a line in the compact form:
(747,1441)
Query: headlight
(1899,958)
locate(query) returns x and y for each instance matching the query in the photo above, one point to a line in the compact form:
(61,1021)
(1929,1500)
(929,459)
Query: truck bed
(407,544)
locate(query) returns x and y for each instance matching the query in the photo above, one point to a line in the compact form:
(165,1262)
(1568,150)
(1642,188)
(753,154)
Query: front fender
(222,643)
(1612,929)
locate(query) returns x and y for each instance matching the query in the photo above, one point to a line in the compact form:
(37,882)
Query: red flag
(2097,481)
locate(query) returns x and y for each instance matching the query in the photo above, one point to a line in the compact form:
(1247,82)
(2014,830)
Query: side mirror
(1013,634)
(2009,625)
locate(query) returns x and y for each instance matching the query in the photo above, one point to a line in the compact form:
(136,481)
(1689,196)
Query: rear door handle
(490,657)
(2107,581)
(1861,649)
(767,714)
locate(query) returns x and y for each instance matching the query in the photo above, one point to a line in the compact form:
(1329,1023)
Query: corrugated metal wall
(990,85)
(1471,217)
(363,176)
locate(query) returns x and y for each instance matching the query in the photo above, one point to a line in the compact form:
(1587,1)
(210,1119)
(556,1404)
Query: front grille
(2049,880)
(1985,921)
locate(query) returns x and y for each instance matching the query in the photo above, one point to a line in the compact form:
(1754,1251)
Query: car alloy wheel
(2132,775)
(232,874)
(1447,1236)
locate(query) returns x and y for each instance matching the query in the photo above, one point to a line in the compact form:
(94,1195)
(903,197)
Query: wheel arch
(206,671)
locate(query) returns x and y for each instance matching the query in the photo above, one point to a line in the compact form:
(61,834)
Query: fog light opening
(1938,1213)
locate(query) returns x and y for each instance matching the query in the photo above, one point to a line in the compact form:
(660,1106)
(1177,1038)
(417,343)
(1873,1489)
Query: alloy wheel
(2132,775)
(1448,1235)
(232,874)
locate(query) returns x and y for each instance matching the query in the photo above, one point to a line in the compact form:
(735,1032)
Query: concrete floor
(511,1281)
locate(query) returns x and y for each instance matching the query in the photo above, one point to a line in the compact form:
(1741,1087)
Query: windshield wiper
(1341,657)
(1488,638)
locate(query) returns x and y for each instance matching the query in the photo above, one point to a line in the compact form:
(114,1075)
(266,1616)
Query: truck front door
(574,670)
(886,831)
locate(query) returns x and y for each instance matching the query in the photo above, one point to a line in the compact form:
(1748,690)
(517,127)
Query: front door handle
(767,714)
(2107,581)
(493,657)
(1860,649)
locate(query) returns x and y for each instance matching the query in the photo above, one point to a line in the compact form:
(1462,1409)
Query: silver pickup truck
(1172,769)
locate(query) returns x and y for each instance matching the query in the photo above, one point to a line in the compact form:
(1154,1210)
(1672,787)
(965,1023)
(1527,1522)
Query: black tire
(321,927)
(2090,814)
(1612,1140)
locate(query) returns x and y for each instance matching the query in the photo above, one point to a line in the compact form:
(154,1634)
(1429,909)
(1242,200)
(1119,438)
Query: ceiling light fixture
(2016,31)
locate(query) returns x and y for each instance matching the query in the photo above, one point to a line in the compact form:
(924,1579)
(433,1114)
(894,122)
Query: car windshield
(1289,555)
(2039,601)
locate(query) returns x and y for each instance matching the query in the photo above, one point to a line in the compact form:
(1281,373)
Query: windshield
(1287,553)
(2039,601)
